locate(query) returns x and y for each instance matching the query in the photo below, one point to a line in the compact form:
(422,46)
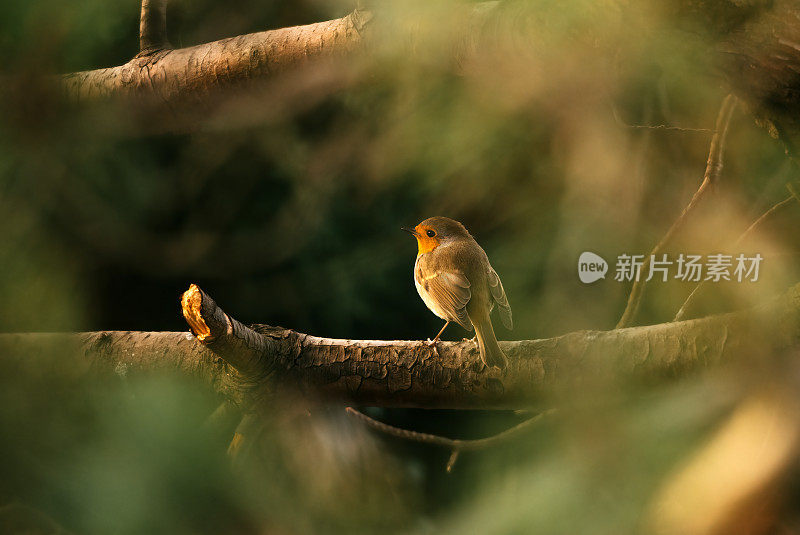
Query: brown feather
(457,283)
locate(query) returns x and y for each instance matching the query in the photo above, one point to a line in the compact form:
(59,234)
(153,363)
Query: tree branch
(410,373)
(122,353)
(757,52)
(182,85)
(710,178)
(239,345)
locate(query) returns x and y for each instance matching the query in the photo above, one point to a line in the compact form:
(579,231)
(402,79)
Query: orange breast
(426,244)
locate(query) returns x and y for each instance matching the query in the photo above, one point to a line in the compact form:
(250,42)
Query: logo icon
(591,267)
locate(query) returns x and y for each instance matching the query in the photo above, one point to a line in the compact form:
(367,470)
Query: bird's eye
(430,233)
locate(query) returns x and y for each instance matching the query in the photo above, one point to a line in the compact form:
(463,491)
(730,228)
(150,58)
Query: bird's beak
(410,231)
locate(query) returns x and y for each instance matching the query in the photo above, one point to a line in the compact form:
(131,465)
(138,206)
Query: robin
(455,280)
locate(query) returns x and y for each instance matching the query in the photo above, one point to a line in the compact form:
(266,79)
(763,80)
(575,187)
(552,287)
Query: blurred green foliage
(297,222)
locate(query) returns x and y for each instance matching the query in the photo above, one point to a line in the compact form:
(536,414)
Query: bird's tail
(491,354)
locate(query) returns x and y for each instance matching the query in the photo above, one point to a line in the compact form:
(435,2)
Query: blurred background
(532,140)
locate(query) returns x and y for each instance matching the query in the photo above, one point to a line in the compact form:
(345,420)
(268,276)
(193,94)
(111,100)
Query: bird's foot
(432,345)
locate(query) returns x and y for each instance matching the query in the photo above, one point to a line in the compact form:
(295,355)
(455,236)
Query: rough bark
(409,373)
(123,353)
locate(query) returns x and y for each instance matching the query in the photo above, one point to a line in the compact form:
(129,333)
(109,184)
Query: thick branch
(238,344)
(183,84)
(123,353)
(410,373)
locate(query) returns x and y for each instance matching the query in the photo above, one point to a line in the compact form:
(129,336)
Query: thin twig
(683,311)
(455,445)
(710,178)
(765,216)
(619,121)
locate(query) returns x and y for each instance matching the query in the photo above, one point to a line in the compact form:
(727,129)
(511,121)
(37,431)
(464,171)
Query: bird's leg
(432,343)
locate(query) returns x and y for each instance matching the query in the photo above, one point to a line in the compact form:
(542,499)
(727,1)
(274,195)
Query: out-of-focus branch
(121,353)
(710,178)
(732,482)
(766,216)
(153,27)
(181,86)
(756,50)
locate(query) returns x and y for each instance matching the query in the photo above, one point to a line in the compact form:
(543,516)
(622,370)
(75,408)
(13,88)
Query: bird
(457,283)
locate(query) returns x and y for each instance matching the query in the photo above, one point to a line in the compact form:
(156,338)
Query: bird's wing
(449,292)
(499,296)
